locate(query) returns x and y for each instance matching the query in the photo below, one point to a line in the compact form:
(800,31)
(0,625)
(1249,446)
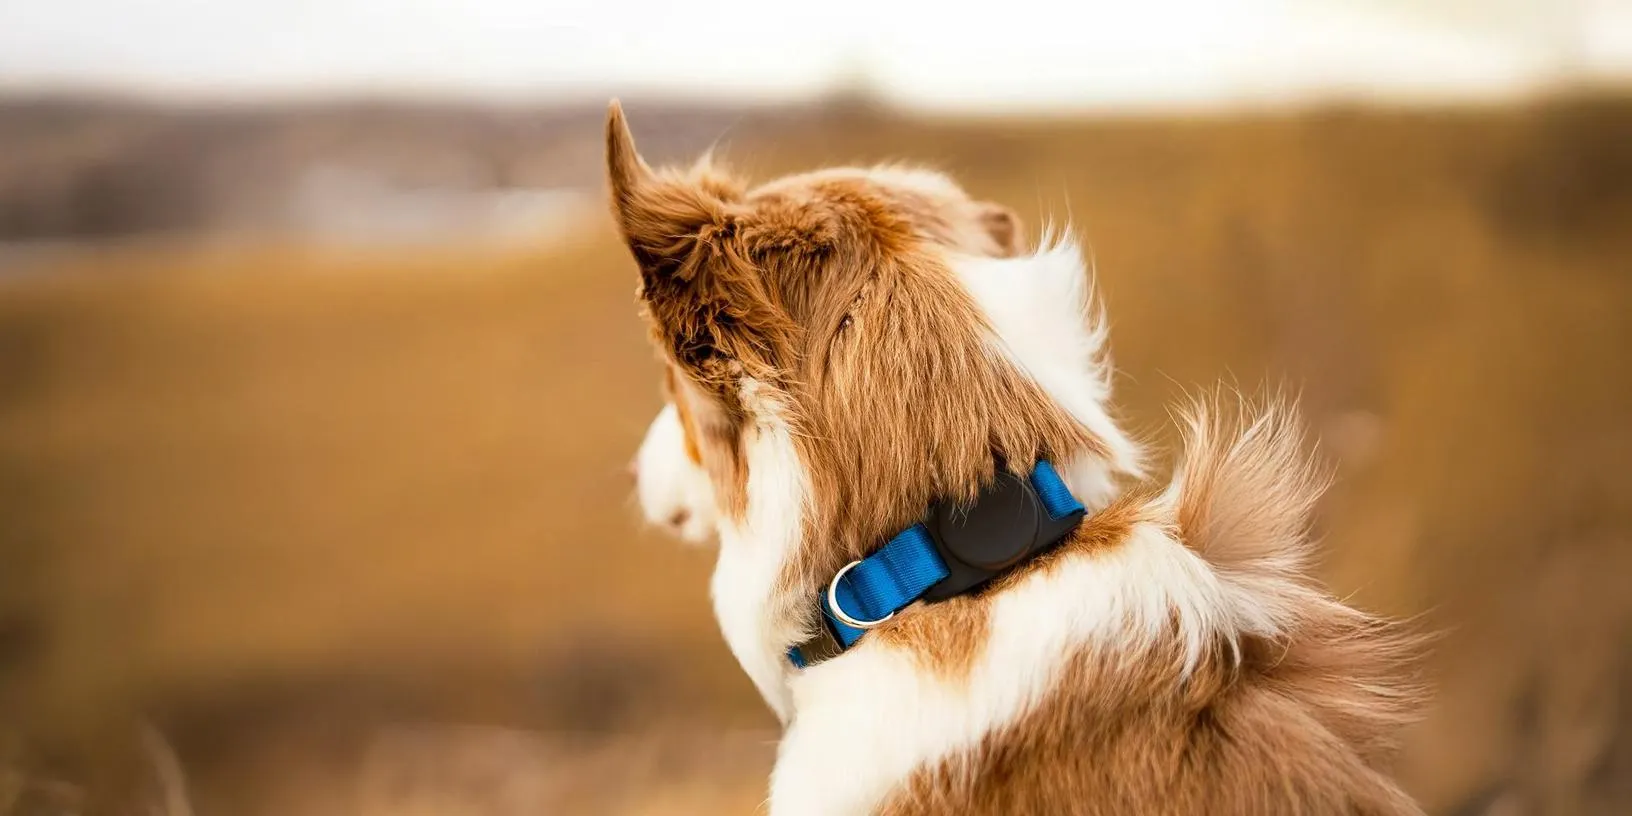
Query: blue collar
(956,549)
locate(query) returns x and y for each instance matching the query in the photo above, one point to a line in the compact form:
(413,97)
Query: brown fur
(826,299)
(1303,723)
(682,407)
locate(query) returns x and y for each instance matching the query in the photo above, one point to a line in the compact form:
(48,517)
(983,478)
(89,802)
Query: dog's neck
(1036,307)
(758,614)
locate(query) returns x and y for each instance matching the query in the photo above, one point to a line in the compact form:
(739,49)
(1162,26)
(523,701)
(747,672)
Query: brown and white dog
(845,347)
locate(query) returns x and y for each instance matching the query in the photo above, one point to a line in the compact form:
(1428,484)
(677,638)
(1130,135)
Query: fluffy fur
(847,346)
(671,486)
(1211,676)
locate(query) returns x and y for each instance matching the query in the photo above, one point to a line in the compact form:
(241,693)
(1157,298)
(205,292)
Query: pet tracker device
(956,549)
(1008,524)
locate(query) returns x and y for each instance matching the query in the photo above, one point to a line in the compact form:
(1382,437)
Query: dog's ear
(1003,226)
(709,306)
(664,219)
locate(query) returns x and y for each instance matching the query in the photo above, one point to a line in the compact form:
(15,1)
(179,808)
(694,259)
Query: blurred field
(350,529)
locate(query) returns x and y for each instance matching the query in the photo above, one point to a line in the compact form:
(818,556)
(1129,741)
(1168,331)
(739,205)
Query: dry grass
(353,529)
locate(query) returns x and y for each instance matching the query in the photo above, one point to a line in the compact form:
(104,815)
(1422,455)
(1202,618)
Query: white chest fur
(753,553)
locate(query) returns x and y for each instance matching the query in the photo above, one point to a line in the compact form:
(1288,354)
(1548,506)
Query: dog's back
(1289,703)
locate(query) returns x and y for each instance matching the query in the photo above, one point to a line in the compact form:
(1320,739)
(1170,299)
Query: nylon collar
(954,550)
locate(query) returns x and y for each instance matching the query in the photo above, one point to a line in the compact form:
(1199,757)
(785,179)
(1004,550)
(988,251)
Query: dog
(855,355)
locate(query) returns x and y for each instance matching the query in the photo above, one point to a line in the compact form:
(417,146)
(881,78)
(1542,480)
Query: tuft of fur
(1243,498)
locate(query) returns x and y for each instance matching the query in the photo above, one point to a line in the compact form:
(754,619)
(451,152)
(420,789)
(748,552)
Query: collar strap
(954,550)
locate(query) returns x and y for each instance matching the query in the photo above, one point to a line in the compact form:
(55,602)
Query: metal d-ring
(833,603)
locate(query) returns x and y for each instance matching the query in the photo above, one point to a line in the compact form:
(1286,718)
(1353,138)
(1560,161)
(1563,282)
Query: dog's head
(881,320)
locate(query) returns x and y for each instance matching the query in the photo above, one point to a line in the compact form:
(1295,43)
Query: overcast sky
(1016,53)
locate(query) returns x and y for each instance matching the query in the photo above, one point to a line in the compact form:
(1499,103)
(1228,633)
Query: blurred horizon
(1027,56)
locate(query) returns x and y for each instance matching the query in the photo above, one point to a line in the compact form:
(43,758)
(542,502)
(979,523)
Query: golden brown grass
(292,503)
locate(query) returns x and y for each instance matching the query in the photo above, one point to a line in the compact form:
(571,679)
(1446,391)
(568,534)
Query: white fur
(1048,324)
(760,623)
(865,722)
(674,492)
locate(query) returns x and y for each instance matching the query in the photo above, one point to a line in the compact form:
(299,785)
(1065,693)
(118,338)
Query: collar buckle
(837,611)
